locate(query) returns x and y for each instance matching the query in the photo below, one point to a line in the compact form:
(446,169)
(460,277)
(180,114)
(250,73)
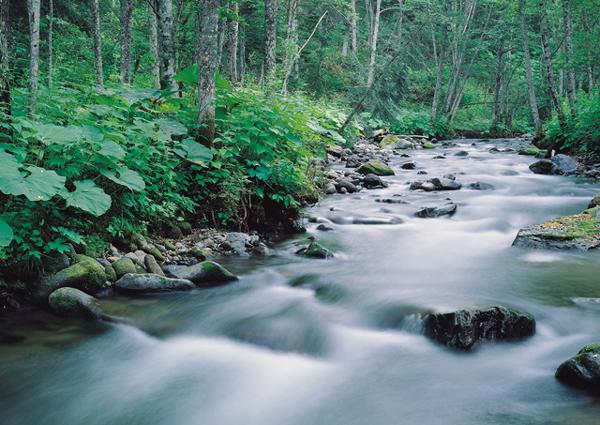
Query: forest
(445,151)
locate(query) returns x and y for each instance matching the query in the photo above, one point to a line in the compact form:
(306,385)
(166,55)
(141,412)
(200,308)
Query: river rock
(371,181)
(583,370)
(445,184)
(481,186)
(411,165)
(123,266)
(433,212)
(55,262)
(463,329)
(595,201)
(315,250)
(461,153)
(330,189)
(147,283)
(152,265)
(205,274)
(543,166)
(111,275)
(403,144)
(375,167)
(71,302)
(324,228)
(87,274)
(346,185)
(564,164)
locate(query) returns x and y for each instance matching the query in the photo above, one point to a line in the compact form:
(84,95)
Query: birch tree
(207,48)
(50,41)
(232,44)
(270,38)
(166,44)
(33,9)
(568,27)
(97,44)
(153,40)
(528,74)
(125,21)
(373,46)
(4,57)
(354,29)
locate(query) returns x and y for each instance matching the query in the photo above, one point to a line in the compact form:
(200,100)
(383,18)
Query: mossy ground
(577,226)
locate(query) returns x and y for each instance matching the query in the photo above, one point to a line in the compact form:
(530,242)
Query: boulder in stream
(375,167)
(481,186)
(71,302)
(564,164)
(371,181)
(543,166)
(583,370)
(87,274)
(463,329)
(315,250)
(149,283)
(433,212)
(123,266)
(205,274)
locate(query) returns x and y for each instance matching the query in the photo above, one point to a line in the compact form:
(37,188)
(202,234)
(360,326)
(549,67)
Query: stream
(301,341)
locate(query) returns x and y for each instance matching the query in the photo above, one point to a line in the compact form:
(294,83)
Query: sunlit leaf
(89,198)
(6,233)
(126,177)
(42,184)
(112,149)
(187,75)
(11,180)
(50,133)
(194,152)
(171,128)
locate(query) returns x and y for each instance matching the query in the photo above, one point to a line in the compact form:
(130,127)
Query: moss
(533,152)
(315,250)
(429,146)
(389,140)
(375,167)
(593,348)
(111,275)
(577,226)
(87,275)
(123,266)
(185,227)
(170,246)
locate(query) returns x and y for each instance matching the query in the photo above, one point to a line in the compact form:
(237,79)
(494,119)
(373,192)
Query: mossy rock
(389,140)
(111,275)
(582,370)
(71,302)
(205,274)
(148,283)
(170,246)
(141,242)
(533,152)
(315,250)
(375,167)
(123,266)
(185,227)
(87,274)
(590,348)
(428,146)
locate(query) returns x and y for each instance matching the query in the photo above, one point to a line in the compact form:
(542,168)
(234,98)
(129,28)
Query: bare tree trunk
(438,55)
(97,44)
(232,45)
(50,37)
(527,62)
(242,58)
(568,27)
(374,39)
(270,37)
(497,81)
(291,39)
(33,8)
(125,20)
(153,36)
(5,107)
(222,30)
(353,29)
(547,64)
(208,45)
(590,60)
(167,47)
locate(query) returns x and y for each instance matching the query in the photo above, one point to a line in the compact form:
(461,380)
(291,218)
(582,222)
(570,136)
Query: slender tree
(270,37)
(373,46)
(232,44)
(5,106)
(97,44)
(125,20)
(354,29)
(207,48)
(568,26)
(528,73)
(153,40)
(497,83)
(50,41)
(167,47)
(33,8)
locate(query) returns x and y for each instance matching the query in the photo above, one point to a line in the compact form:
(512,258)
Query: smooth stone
(583,370)
(434,212)
(564,164)
(148,283)
(152,265)
(315,250)
(123,266)
(71,302)
(87,275)
(481,186)
(205,274)
(543,166)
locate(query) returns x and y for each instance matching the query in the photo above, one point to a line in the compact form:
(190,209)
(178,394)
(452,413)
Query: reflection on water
(299,341)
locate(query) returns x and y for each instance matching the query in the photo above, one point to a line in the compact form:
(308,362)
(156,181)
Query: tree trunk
(33,8)
(242,58)
(568,27)
(153,36)
(374,38)
(208,45)
(589,50)
(270,38)
(527,63)
(97,44)
(222,26)
(50,40)
(547,64)
(167,47)
(5,107)
(353,29)
(291,39)
(438,55)
(125,20)
(232,45)
(497,81)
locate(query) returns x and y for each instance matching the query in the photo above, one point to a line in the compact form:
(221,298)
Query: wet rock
(371,181)
(461,153)
(445,184)
(409,165)
(55,262)
(237,242)
(148,283)
(396,200)
(123,266)
(564,164)
(434,212)
(538,153)
(87,275)
(353,161)
(543,166)
(134,258)
(583,370)
(315,250)
(595,201)
(335,151)
(71,302)
(403,144)
(422,172)
(375,167)
(346,185)
(111,275)
(205,274)
(463,329)
(330,189)
(439,157)
(481,186)
(152,265)
(324,228)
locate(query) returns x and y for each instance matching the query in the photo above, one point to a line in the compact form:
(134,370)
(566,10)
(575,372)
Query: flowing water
(325,342)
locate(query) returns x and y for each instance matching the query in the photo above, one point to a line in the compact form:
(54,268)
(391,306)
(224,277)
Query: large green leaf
(89,198)
(11,180)
(42,184)
(171,128)
(112,149)
(50,133)
(126,177)
(6,233)
(187,75)
(194,152)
